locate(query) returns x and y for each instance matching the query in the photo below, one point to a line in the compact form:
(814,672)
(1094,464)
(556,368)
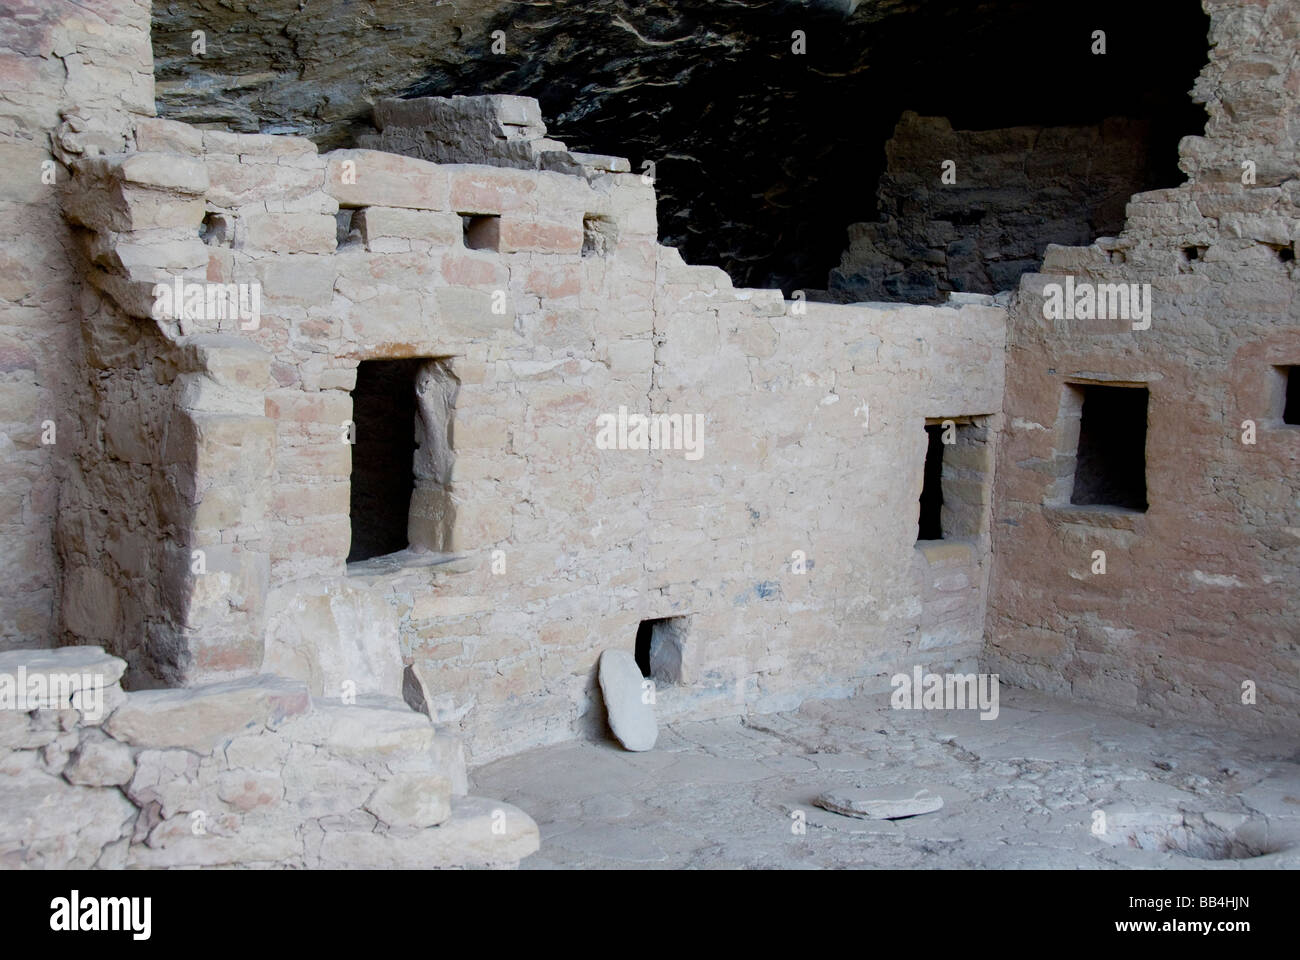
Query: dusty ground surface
(1021,790)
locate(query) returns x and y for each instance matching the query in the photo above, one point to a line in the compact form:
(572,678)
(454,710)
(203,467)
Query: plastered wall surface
(1200,591)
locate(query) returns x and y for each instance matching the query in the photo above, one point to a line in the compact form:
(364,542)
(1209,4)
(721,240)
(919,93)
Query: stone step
(481,833)
(385,728)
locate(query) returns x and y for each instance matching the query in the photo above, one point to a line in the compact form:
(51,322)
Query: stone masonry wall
(75,74)
(814,441)
(254,773)
(1196,613)
(1014,191)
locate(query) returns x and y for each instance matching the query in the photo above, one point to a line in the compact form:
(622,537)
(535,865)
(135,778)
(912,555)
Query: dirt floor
(1047,783)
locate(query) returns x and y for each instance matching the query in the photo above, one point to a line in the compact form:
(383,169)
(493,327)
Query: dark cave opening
(765,158)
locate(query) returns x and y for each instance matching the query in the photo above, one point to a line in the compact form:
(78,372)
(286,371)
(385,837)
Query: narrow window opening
(482,231)
(383,456)
(1110,466)
(659,647)
(957,480)
(931,526)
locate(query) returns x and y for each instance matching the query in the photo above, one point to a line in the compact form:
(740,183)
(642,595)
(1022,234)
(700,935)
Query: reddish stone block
(469,271)
(491,190)
(554,282)
(537,236)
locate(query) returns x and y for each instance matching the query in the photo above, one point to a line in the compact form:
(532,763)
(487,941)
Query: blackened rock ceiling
(763,156)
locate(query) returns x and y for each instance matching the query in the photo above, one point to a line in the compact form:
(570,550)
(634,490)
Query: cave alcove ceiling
(763,157)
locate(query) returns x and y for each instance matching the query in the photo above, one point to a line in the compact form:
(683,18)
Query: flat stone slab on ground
(1007,816)
(881,803)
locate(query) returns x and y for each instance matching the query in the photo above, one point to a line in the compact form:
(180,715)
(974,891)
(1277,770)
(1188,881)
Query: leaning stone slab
(631,719)
(202,718)
(884,803)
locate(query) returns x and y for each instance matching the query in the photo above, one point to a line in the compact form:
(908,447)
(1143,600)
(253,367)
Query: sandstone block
(494,190)
(232,361)
(412,800)
(232,184)
(362,731)
(427,226)
(469,314)
(157,135)
(602,163)
(203,718)
(100,762)
(264,145)
(175,845)
(287,233)
(249,790)
(371,178)
(47,823)
(161,171)
(539,236)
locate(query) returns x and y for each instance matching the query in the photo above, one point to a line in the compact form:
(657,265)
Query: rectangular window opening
(957,478)
(1110,466)
(400,499)
(659,647)
(931,525)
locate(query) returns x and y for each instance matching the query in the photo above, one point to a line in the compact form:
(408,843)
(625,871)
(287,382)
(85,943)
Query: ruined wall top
(500,131)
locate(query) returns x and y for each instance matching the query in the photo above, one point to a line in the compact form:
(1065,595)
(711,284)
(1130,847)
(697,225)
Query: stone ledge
(938,552)
(78,660)
(1117,518)
(202,718)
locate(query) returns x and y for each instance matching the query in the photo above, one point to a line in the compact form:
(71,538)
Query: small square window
(482,231)
(659,648)
(1110,465)
(599,236)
